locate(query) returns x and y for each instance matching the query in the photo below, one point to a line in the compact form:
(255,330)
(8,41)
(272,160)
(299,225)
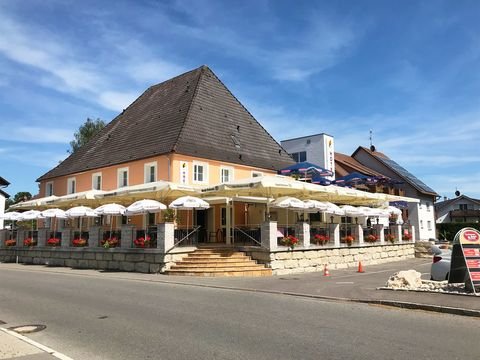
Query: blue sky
(408,70)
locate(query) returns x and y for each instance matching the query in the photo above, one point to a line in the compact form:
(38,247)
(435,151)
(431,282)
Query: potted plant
(79,242)
(371,238)
(110,242)
(10,242)
(390,238)
(290,241)
(407,236)
(53,241)
(349,239)
(142,242)
(29,242)
(321,239)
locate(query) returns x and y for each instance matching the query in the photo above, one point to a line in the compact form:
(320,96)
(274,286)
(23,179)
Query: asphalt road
(90,317)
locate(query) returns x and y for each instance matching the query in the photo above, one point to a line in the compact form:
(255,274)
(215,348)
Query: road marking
(37,345)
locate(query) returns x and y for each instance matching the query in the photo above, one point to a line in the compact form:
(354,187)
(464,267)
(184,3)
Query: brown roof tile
(192,114)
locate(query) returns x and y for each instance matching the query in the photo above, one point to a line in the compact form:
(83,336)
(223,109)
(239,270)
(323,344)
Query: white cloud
(32,134)
(115,100)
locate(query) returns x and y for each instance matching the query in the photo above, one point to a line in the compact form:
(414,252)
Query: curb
(44,348)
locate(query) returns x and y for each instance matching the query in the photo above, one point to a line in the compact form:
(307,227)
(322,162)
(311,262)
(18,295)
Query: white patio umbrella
(11,216)
(111,209)
(31,215)
(334,209)
(144,207)
(353,210)
(287,202)
(54,213)
(81,212)
(315,205)
(189,203)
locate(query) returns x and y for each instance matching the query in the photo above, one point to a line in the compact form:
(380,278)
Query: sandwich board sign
(465,262)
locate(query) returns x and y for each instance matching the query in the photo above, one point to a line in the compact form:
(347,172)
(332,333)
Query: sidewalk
(12,346)
(345,285)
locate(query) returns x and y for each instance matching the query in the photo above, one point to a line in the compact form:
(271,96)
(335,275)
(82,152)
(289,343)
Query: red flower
(10,242)
(53,242)
(112,242)
(29,242)
(321,239)
(290,241)
(141,242)
(79,242)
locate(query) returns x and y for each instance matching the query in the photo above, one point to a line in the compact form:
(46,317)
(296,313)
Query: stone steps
(218,262)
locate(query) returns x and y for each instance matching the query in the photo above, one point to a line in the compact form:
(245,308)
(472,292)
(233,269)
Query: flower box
(321,239)
(390,238)
(53,242)
(110,242)
(290,241)
(371,238)
(10,242)
(29,242)
(142,242)
(79,242)
(407,236)
(349,239)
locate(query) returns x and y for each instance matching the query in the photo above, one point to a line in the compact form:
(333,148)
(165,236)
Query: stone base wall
(312,260)
(138,260)
(154,261)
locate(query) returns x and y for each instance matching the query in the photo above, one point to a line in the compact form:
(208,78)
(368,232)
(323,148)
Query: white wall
(418,214)
(320,150)
(442,215)
(2,209)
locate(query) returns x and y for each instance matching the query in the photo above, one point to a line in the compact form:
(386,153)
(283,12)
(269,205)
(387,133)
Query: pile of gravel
(410,280)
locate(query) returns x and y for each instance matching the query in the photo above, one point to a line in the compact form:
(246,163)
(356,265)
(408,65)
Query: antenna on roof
(372,147)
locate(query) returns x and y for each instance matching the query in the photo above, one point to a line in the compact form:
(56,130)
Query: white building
(316,149)
(3,197)
(462,209)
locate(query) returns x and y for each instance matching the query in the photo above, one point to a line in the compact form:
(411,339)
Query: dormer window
(235,141)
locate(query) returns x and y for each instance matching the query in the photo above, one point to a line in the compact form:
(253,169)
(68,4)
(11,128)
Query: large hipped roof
(192,114)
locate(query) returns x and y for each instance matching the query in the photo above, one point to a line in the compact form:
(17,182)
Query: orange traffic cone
(360,267)
(325,271)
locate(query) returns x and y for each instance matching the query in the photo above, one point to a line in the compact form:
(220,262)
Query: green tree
(85,132)
(20,196)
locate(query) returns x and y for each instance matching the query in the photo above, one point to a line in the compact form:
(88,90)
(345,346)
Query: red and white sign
(471,252)
(470,237)
(473,264)
(475,276)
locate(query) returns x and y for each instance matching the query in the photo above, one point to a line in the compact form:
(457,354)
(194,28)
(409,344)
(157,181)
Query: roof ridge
(248,112)
(187,113)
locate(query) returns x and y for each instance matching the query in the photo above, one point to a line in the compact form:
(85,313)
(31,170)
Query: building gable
(192,114)
(394,170)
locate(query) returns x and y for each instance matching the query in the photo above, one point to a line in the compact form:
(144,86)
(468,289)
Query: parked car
(440,268)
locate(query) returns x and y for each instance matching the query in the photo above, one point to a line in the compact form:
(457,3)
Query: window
(428,206)
(421,224)
(150,170)
(300,156)
(429,225)
(226,174)
(257,174)
(71,186)
(122,177)
(463,206)
(199,172)
(97,181)
(49,188)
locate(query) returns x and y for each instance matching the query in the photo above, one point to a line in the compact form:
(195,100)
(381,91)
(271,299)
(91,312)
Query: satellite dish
(457,193)
(372,148)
